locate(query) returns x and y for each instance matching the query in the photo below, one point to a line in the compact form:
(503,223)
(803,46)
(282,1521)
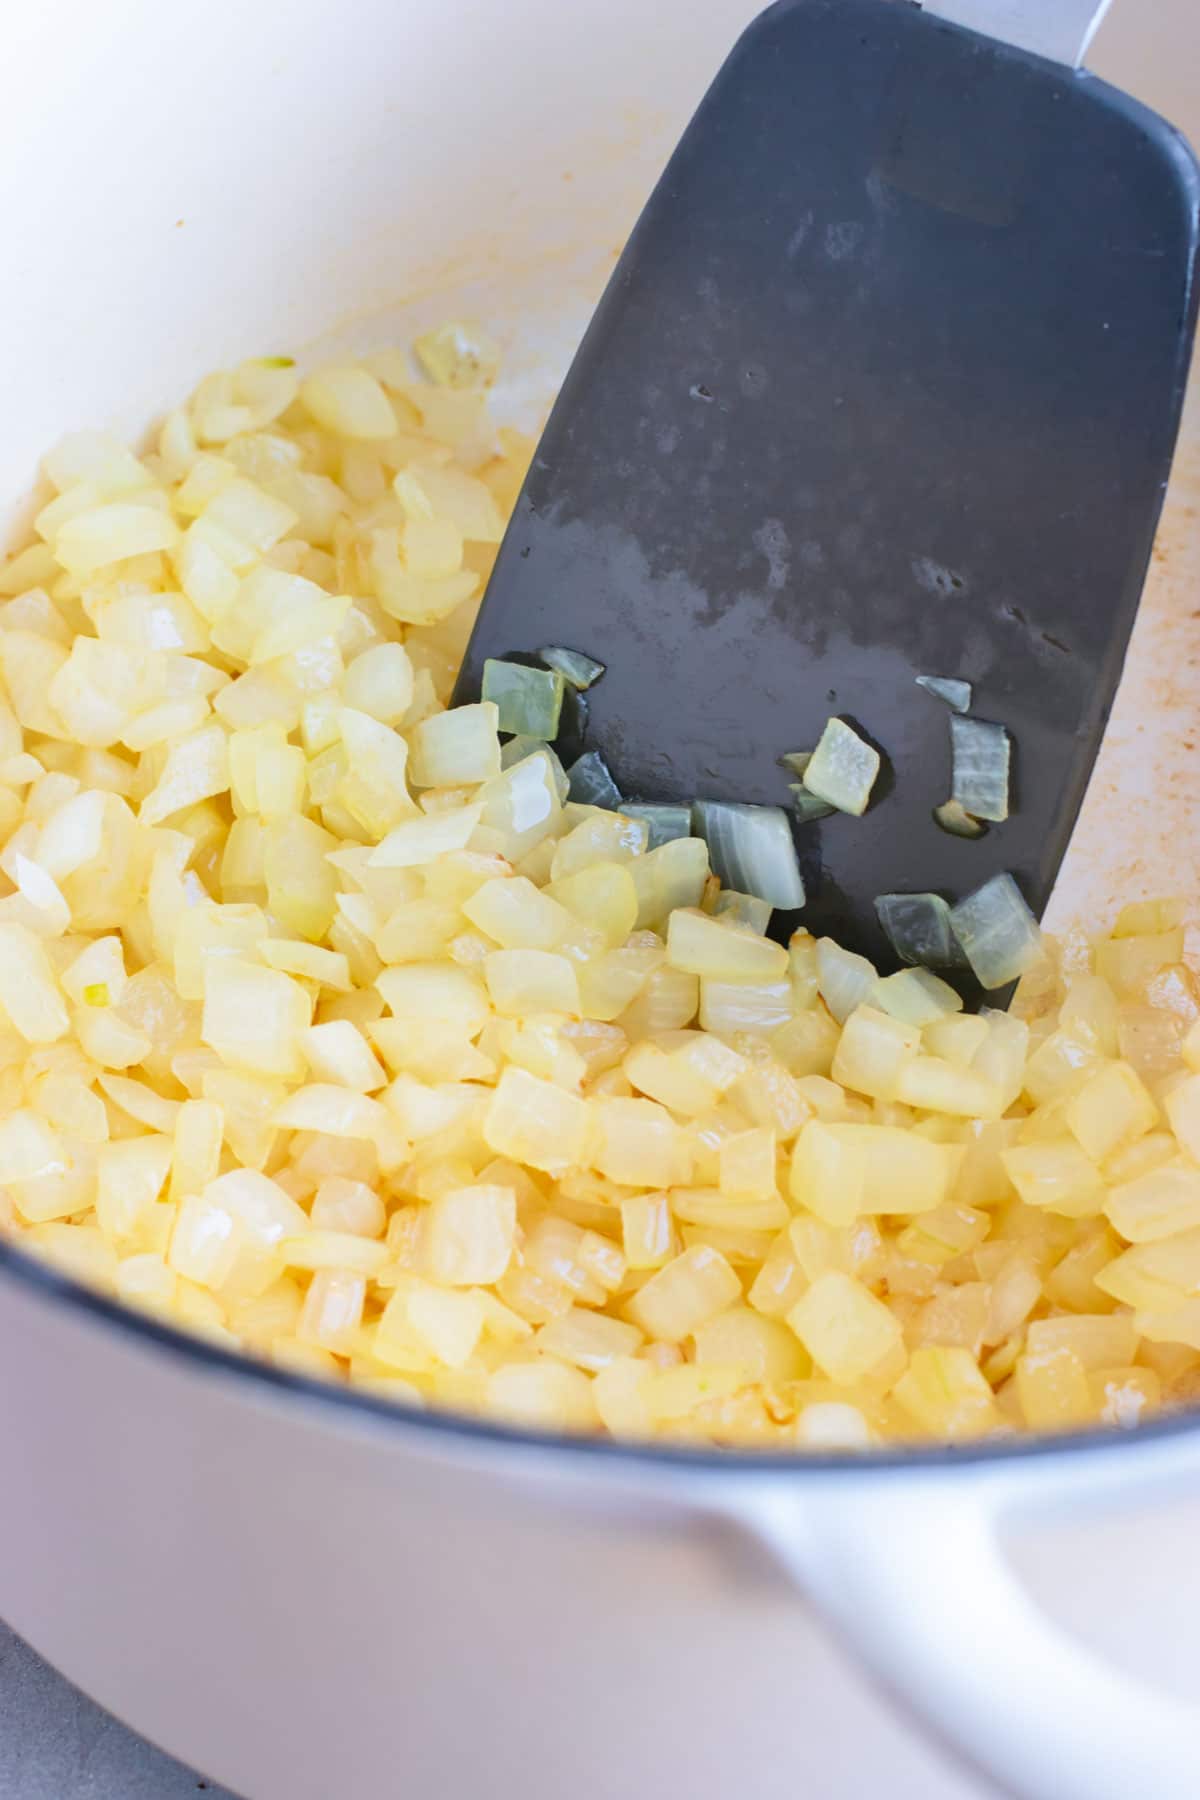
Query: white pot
(307,1594)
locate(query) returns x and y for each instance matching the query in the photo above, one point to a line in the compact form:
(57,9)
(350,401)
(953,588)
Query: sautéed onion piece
(339,1032)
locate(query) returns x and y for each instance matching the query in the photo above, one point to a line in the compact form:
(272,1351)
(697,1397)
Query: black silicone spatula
(885,384)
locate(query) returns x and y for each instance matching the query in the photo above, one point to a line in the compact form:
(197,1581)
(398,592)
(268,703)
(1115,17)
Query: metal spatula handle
(1058,29)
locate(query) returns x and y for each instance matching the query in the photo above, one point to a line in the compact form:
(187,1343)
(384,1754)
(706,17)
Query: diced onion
(338,1032)
(956,693)
(979,782)
(666,822)
(592,782)
(580,670)
(518,748)
(998,933)
(747,909)
(528,701)
(918,928)
(845,978)
(842,769)
(751,849)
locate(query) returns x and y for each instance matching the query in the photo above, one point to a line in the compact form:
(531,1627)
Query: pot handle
(915,1578)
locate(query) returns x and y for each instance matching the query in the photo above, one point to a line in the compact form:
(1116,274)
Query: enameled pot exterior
(308,1600)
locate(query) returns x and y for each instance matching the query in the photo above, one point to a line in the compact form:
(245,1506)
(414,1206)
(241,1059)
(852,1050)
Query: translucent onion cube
(752,850)
(1111,1110)
(197,767)
(342,1205)
(349,401)
(916,996)
(584,1261)
(29,1148)
(1127,963)
(595,835)
(712,1210)
(423,1326)
(841,1170)
(833,1425)
(872,1050)
(528,701)
(254,1018)
(334,1111)
(535,1122)
(1099,1340)
(666,823)
(602,896)
(107,534)
(981,752)
(329,968)
(516,914)
(1053,1390)
(667,878)
(337,1051)
(591,782)
(760,1006)
(379,682)
(686,1081)
(546,1393)
(435,991)
(1156,1205)
(647,1233)
(205,1241)
(521,805)
(747,1164)
(845,980)
(332,1310)
(1059,1062)
(457,355)
(129,1178)
(842,769)
(638,1143)
(844,1328)
(455,748)
(249,515)
(681,1297)
(522,983)
(145,1280)
(1001,1057)
(588,1340)
(933,1085)
(998,933)
(757,1347)
(1153,1276)
(1182,1106)
(1090,1002)
(944,1391)
(704,946)
(29,993)
(1139,918)
(1057,1175)
(470,1235)
(955,693)
(610,982)
(422,840)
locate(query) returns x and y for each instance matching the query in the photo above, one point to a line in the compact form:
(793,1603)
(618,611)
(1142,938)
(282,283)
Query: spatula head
(885,384)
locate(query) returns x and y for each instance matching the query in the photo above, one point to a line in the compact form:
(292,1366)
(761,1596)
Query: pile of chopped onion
(352,1032)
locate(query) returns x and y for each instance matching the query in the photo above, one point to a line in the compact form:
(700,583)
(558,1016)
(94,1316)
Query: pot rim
(450,1428)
